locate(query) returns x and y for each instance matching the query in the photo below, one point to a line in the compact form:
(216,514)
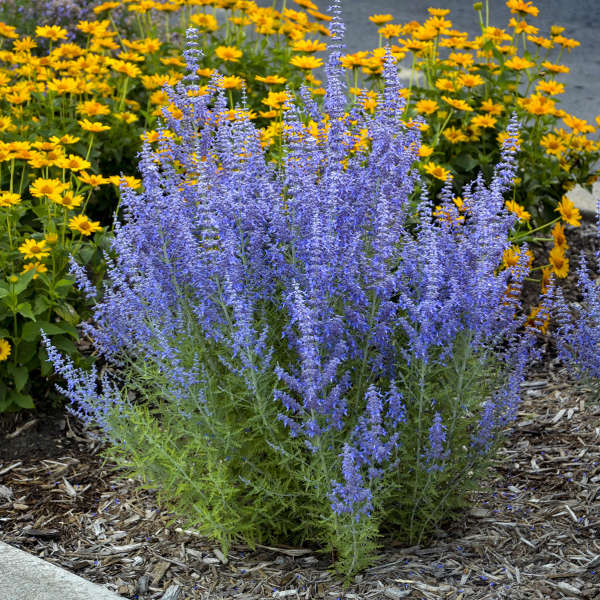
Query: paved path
(581,18)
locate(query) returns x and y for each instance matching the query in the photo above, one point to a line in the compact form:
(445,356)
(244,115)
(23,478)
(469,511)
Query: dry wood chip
(159,570)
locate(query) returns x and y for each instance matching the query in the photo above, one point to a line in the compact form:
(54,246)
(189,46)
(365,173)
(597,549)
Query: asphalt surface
(581,19)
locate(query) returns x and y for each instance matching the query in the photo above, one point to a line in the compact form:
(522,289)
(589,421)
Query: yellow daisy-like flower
(271,79)
(69,200)
(306,62)
(538,319)
(381,19)
(560,239)
(437,171)
(483,121)
(489,107)
(8,31)
(457,103)
(130,181)
(425,151)
(73,163)
(517,209)
(231,82)
(83,225)
(205,21)
(51,188)
(470,80)
(92,179)
(553,144)
(9,199)
(551,87)
(308,46)
(38,266)
(568,212)
(34,249)
(520,7)
(93,127)
(553,68)
(4,349)
(276,100)
(512,256)
(455,135)
(229,53)
(558,262)
(426,106)
(52,32)
(92,108)
(518,64)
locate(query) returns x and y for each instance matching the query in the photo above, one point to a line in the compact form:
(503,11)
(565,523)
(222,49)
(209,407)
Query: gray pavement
(581,19)
(26,577)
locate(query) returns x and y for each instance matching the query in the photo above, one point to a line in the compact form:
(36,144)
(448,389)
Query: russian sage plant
(299,351)
(578,331)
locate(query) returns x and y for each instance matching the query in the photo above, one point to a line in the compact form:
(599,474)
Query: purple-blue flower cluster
(578,334)
(315,267)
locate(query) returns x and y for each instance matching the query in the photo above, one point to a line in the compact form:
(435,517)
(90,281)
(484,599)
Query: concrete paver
(27,577)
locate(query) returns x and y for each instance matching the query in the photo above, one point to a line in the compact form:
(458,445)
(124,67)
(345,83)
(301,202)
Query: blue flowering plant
(578,324)
(302,349)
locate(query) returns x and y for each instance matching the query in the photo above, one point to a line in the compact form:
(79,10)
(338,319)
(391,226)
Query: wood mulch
(533,530)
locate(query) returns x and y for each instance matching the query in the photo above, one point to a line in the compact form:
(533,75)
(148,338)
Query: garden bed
(532,532)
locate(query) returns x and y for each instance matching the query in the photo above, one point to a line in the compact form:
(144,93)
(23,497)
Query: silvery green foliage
(376,341)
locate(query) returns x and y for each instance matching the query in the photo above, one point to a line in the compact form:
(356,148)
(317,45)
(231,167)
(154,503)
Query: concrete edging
(27,577)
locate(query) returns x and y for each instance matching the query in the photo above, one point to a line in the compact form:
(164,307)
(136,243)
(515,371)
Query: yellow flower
(381,19)
(308,46)
(517,209)
(9,199)
(558,262)
(276,100)
(51,238)
(537,104)
(568,212)
(425,151)
(470,80)
(91,108)
(38,266)
(229,53)
(52,32)
(271,79)
(523,8)
(512,256)
(4,344)
(535,319)
(82,224)
(130,181)
(483,121)
(8,31)
(457,103)
(93,127)
(34,249)
(446,85)
(560,240)
(51,188)
(426,107)
(437,171)
(555,68)
(489,107)
(306,62)
(231,82)
(567,43)
(205,21)
(73,163)
(550,87)
(69,200)
(91,179)
(518,63)
(126,117)
(553,144)
(455,135)
(578,125)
